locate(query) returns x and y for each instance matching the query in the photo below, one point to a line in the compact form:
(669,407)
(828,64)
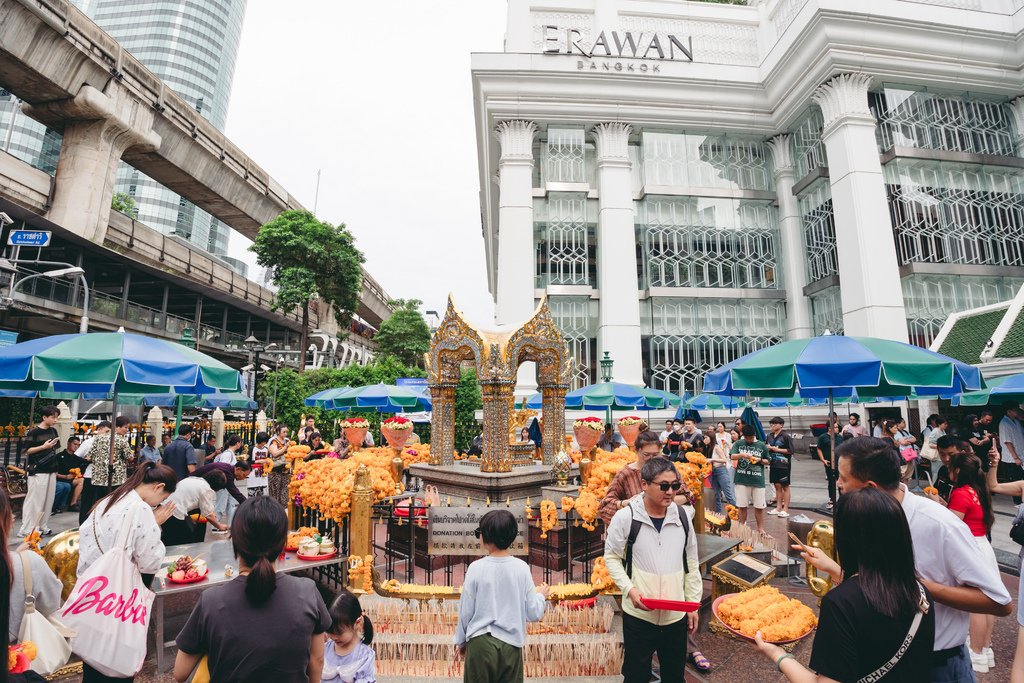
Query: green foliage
(293,388)
(405,333)
(309,258)
(467,401)
(14,411)
(124,203)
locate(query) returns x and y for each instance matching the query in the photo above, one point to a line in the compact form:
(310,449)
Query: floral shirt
(100,455)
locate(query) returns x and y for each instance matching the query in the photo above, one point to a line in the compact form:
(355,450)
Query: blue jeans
(721,483)
(61,495)
(956,669)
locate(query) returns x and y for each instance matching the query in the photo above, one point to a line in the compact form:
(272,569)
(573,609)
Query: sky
(378,97)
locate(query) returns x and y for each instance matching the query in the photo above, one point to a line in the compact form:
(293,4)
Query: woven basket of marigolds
(326,485)
(606,464)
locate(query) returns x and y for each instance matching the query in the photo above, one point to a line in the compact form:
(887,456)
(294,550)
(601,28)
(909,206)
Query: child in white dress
(348,657)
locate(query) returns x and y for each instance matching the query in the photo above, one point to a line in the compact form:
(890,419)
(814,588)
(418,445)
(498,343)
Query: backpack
(634,531)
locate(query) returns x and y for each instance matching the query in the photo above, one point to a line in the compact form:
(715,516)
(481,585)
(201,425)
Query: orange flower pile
(548,517)
(32,541)
(600,579)
(931,490)
(296,452)
(732,511)
(767,610)
(75,473)
(606,464)
(568,502)
(326,484)
(693,472)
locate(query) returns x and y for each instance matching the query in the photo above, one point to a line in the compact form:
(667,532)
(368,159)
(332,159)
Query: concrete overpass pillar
(98,128)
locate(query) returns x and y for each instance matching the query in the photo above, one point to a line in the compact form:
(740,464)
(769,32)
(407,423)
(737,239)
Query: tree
(124,203)
(404,334)
(293,388)
(467,401)
(309,258)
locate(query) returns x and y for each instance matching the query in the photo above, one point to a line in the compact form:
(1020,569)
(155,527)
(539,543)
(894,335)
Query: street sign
(450,530)
(413,383)
(29,238)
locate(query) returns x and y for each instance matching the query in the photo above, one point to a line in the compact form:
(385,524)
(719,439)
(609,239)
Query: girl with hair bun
(348,657)
(231,617)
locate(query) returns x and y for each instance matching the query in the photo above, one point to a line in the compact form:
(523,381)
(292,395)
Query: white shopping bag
(109,609)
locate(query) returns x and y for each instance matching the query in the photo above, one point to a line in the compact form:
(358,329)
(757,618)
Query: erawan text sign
(620,44)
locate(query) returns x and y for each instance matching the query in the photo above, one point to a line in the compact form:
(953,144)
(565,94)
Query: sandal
(699,661)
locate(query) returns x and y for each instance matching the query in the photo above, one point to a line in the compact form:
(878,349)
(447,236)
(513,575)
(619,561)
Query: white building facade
(688,182)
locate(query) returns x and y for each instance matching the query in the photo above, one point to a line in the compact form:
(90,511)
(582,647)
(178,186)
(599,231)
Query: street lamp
(255,347)
(606,376)
(68,271)
(606,368)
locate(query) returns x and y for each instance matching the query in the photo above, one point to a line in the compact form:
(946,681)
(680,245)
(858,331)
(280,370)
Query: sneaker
(47,532)
(773,511)
(979,661)
(783,514)
(991,656)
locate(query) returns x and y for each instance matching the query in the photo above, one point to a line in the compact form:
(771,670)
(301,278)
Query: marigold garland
(605,465)
(361,569)
(20,656)
(548,517)
(568,502)
(326,485)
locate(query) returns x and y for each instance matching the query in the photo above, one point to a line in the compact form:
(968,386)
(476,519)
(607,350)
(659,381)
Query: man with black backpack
(651,554)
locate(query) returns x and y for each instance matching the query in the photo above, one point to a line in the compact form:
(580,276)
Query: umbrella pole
(178,400)
(113,437)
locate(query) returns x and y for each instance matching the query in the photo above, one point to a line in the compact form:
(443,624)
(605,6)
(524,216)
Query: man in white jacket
(660,563)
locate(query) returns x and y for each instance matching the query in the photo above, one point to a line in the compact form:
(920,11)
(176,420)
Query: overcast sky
(377,95)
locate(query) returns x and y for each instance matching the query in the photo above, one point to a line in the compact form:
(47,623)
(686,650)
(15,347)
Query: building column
(514,302)
(1017,109)
(872,296)
(618,320)
(98,128)
(798,309)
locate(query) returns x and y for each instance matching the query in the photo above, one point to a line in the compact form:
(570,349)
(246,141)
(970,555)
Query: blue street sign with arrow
(29,238)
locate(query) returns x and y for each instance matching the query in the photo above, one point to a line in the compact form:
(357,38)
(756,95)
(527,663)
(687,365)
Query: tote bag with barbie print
(109,608)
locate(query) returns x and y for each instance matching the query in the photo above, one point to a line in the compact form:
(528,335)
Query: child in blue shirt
(348,657)
(498,598)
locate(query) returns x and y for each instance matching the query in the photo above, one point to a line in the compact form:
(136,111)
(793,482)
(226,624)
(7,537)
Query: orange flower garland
(326,484)
(600,579)
(548,517)
(567,504)
(606,464)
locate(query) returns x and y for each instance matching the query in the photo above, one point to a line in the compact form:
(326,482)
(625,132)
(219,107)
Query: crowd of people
(917,587)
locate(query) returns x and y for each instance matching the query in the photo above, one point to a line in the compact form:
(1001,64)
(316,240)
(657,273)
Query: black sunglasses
(675,486)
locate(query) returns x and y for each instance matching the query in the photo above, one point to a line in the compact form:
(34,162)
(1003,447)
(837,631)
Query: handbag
(880,672)
(929,452)
(1017,529)
(909,453)
(110,608)
(46,633)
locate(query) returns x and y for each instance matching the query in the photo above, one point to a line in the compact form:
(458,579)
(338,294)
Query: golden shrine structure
(496,355)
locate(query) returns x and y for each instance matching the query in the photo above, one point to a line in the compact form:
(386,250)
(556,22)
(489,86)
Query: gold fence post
(360,523)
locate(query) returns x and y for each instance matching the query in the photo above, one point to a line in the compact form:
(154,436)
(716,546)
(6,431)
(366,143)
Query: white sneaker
(991,656)
(773,511)
(979,661)
(783,514)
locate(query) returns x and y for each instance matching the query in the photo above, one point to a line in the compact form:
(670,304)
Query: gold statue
(518,420)
(821,536)
(61,554)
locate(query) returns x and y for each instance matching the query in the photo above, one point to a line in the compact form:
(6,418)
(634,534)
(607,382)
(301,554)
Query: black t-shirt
(66,461)
(37,437)
(673,442)
(780,461)
(853,640)
(657,522)
(233,632)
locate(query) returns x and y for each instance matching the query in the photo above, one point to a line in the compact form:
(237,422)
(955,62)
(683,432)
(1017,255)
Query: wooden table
(217,554)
